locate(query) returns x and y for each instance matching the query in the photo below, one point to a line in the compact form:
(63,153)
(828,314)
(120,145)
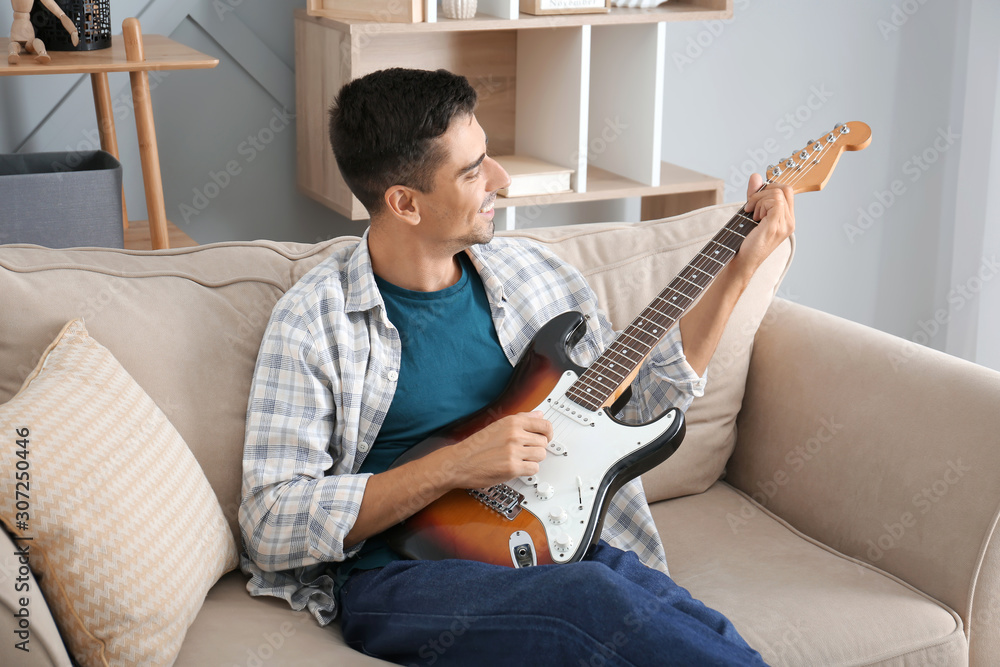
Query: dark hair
(384,127)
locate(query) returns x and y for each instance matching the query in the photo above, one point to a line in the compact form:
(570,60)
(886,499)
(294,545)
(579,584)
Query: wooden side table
(131,53)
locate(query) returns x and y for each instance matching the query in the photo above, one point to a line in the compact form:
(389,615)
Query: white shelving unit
(584,91)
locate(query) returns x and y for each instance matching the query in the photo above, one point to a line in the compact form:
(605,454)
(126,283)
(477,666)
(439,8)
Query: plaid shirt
(326,374)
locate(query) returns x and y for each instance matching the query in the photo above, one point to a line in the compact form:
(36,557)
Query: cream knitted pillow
(127,535)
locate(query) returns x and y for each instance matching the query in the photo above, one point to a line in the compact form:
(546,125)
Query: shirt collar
(481,256)
(363,293)
(361,290)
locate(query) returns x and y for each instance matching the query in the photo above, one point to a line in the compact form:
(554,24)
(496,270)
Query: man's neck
(410,262)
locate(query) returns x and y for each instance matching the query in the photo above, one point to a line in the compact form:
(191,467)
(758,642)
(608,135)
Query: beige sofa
(855,524)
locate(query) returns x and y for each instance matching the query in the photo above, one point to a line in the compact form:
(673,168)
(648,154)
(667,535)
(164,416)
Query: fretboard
(606,375)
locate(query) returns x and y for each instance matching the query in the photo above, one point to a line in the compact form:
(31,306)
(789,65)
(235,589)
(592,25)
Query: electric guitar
(555,515)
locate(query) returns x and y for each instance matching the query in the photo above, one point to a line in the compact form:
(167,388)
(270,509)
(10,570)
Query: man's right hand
(509,447)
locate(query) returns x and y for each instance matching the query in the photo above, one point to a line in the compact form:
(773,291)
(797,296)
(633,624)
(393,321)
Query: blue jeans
(608,609)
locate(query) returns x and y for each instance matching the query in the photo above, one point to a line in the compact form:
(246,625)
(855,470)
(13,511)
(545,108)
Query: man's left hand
(774,208)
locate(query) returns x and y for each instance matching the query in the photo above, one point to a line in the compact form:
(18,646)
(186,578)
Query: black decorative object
(91,17)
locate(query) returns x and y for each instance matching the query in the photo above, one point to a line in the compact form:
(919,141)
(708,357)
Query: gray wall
(876,245)
(739,95)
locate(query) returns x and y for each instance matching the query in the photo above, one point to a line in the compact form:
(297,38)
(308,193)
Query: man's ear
(401,202)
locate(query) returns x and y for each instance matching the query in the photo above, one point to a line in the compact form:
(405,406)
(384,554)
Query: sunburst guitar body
(551,517)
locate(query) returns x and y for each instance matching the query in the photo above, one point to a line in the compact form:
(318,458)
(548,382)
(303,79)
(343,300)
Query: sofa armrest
(45,646)
(882,449)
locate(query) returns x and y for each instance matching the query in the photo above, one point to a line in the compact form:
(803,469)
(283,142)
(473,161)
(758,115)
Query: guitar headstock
(809,168)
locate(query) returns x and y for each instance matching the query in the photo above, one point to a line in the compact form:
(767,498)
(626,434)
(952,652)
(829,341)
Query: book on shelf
(531,176)
(541,7)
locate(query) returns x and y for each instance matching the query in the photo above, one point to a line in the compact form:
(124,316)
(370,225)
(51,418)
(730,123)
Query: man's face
(459,210)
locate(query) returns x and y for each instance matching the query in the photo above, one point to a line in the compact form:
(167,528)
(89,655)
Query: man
(417,325)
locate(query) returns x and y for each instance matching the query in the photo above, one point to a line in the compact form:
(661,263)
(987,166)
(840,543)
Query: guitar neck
(605,378)
(806,170)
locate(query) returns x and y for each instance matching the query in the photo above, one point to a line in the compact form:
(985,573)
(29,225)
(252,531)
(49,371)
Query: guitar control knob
(545,491)
(558,515)
(563,542)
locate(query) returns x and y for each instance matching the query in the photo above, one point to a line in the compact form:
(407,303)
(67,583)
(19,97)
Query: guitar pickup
(557,448)
(575,412)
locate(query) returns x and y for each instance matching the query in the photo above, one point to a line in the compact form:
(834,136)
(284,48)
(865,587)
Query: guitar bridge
(500,498)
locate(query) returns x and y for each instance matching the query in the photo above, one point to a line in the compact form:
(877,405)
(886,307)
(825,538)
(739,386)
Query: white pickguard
(585,446)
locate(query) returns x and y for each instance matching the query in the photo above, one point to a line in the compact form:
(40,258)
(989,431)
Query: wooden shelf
(558,95)
(162,53)
(602,184)
(137,236)
(674,10)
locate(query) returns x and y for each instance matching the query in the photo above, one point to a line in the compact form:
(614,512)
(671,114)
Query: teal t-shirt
(452,364)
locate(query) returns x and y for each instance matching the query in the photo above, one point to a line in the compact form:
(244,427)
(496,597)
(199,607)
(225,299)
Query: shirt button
(393,376)
(363,447)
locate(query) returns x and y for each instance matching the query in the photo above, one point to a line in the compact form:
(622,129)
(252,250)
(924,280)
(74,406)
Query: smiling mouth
(489,205)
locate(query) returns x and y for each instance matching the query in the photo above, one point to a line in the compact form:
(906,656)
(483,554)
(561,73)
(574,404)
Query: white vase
(458,9)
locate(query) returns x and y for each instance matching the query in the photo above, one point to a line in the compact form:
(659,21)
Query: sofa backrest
(187,325)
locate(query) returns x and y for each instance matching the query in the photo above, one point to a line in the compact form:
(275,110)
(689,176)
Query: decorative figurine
(23,34)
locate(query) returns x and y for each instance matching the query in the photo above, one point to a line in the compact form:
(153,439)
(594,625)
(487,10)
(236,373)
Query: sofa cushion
(628,265)
(124,529)
(795,600)
(233,628)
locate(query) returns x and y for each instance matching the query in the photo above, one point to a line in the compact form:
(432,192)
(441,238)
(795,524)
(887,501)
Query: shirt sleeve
(292,513)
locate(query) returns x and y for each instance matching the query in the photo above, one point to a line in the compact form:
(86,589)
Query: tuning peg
(844,128)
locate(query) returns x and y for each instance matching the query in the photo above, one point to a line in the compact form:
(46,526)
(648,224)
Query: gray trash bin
(62,199)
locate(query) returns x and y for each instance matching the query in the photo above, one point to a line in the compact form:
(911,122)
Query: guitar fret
(608,371)
(636,339)
(660,326)
(721,264)
(679,293)
(691,282)
(627,349)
